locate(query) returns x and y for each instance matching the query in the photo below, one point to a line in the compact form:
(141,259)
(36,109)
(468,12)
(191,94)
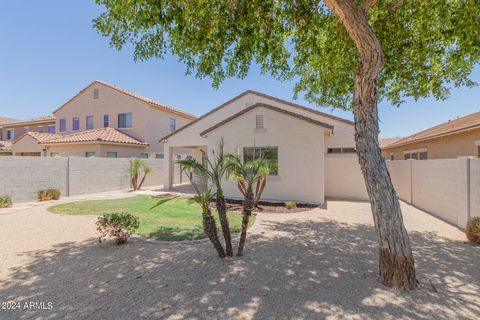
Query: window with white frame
(173,124)
(75,124)
(62,123)
(125,120)
(89,123)
(159,156)
(420,154)
(341,150)
(111,154)
(51,129)
(90,154)
(143,155)
(10,134)
(106,122)
(269,153)
(259,121)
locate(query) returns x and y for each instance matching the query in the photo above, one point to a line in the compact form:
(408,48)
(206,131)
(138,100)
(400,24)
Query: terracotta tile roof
(7,120)
(32,120)
(97,135)
(387,141)
(38,136)
(468,122)
(164,139)
(5,146)
(150,102)
(263,105)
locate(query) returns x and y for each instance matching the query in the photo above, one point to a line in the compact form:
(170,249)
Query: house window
(10,134)
(143,155)
(76,124)
(179,157)
(51,129)
(26,129)
(106,122)
(90,154)
(159,156)
(89,124)
(269,153)
(125,120)
(189,157)
(421,154)
(40,129)
(341,150)
(111,154)
(259,121)
(96,94)
(63,125)
(173,125)
(478,151)
(54,154)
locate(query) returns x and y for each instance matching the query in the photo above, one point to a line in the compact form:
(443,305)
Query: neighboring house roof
(261,95)
(38,136)
(267,106)
(468,122)
(109,135)
(150,102)
(387,141)
(5,146)
(35,120)
(7,120)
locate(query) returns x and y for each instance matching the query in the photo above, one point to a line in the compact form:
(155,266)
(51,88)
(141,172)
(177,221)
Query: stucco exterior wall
(79,150)
(20,129)
(343,177)
(148,124)
(27,144)
(448,147)
(300,154)
(475,187)
(23,177)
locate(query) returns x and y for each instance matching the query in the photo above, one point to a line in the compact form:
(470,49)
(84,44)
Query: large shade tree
(343,53)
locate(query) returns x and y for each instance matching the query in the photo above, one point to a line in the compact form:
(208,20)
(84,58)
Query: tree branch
(368,4)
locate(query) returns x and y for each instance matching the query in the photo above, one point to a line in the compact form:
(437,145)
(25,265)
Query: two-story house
(103,120)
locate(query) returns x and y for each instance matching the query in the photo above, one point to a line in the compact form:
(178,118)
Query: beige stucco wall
(475,187)
(148,124)
(79,150)
(448,147)
(20,129)
(300,154)
(343,177)
(27,144)
(401,175)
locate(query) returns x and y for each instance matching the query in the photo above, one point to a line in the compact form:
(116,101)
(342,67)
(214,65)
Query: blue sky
(49,51)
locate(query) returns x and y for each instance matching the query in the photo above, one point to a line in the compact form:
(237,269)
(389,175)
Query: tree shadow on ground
(302,270)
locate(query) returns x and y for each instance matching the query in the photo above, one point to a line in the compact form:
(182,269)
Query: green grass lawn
(172,219)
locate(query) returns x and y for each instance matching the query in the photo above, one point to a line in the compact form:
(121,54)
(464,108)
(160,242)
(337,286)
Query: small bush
(290,205)
(473,230)
(119,225)
(5,201)
(48,194)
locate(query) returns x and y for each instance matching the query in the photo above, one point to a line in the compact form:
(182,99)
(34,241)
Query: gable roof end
(270,107)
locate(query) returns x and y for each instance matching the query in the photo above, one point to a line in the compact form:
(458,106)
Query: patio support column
(168,173)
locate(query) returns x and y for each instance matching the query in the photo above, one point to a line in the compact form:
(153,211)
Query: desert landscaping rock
(320,264)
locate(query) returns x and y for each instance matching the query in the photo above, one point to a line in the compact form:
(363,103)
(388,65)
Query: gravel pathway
(319,264)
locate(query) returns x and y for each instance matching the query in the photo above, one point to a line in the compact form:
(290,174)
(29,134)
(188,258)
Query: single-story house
(452,139)
(103,142)
(300,140)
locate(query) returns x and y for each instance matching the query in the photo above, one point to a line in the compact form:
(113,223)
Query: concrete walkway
(320,264)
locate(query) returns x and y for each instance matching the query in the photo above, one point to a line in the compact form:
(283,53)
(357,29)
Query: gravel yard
(320,264)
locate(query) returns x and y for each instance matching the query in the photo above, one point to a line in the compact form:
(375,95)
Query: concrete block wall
(344,178)
(401,175)
(475,187)
(22,177)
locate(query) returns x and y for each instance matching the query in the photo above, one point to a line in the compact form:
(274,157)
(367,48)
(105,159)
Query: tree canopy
(429,46)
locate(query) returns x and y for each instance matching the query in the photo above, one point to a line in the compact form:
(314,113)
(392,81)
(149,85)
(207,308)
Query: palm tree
(203,197)
(136,168)
(247,174)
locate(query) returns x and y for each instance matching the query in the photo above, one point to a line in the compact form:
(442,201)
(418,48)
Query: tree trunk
(142,181)
(222,214)
(396,263)
(210,229)
(260,187)
(247,212)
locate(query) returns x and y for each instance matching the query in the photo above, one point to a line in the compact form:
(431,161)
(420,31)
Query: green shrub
(5,201)
(473,230)
(290,205)
(48,194)
(119,225)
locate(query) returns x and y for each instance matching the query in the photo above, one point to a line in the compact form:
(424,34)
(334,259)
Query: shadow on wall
(308,270)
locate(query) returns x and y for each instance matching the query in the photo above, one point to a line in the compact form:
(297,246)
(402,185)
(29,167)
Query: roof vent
(259,121)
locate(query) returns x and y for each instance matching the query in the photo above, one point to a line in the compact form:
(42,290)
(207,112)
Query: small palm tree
(203,190)
(137,166)
(247,174)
